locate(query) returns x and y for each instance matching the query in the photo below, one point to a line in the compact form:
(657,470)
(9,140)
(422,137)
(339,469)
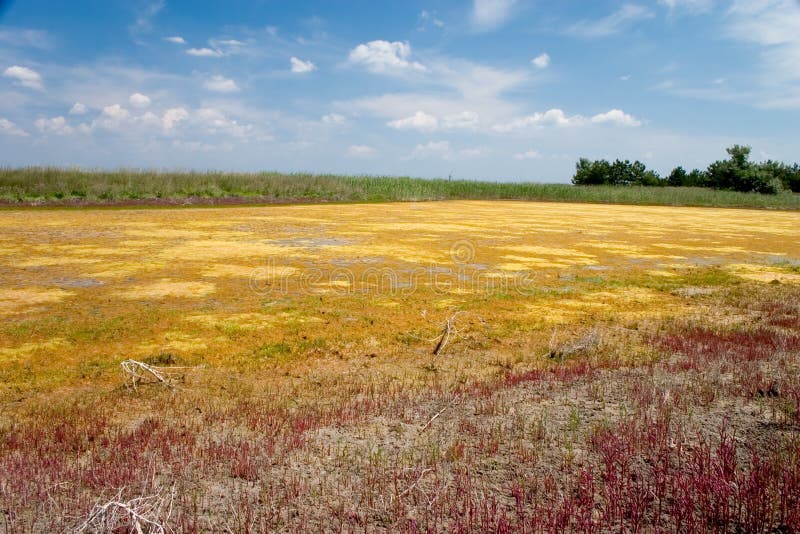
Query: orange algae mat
(259,287)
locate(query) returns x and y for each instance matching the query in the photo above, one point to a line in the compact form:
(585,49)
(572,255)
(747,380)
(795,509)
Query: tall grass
(61,185)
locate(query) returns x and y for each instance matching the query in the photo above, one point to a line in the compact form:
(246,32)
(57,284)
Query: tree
(738,173)
(678,177)
(588,172)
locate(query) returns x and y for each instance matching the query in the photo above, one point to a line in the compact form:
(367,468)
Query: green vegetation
(39,185)
(737,173)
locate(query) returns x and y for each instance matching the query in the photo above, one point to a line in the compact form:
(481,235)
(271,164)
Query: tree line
(737,173)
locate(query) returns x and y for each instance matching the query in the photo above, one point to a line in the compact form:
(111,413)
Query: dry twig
(139,515)
(137,370)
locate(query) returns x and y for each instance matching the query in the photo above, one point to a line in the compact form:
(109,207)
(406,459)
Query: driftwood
(450,331)
(139,515)
(137,371)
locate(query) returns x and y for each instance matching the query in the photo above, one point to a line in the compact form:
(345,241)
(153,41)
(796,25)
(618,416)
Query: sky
(507,90)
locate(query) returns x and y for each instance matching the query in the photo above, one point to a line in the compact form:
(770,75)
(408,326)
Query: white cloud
(418,121)
(205,52)
(116,112)
(299,66)
(78,109)
(773,25)
(557,117)
(425,122)
(333,118)
(138,100)
(542,61)
(385,57)
(25,77)
(177,39)
(616,116)
(491,14)
(221,84)
(433,149)
(459,93)
(173,116)
(215,121)
(9,128)
(428,17)
(689,6)
(612,24)
(56,125)
(232,43)
(466,120)
(145,15)
(360,151)
(111,118)
(528,154)
(551,117)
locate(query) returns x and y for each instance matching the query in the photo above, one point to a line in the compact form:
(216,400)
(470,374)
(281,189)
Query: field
(39,186)
(457,366)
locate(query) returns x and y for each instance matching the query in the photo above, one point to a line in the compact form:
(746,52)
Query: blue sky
(482,89)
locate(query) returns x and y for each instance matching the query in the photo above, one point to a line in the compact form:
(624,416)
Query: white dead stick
(450,330)
(440,412)
(140,514)
(138,370)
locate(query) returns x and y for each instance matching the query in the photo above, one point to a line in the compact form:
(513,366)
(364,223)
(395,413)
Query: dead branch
(416,482)
(450,331)
(440,412)
(140,515)
(137,370)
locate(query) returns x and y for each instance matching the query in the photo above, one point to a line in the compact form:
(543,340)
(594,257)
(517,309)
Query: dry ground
(610,367)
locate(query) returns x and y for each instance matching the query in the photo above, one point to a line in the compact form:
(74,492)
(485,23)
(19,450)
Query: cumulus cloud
(205,52)
(138,100)
(360,151)
(172,117)
(385,57)
(25,77)
(177,39)
(425,122)
(616,116)
(527,155)
(432,149)
(56,125)
(112,117)
(491,14)
(556,117)
(9,128)
(551,117)
(221,84)
(418,121)
(542,61)
(116,112)
(614,23)
(78,109)
(299,66)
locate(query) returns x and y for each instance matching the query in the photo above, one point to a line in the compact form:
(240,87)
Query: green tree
(738,173)
(588,172)
(678,177)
